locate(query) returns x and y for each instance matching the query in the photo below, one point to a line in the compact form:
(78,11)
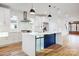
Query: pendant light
(49,11)
(32,11)
(49,15)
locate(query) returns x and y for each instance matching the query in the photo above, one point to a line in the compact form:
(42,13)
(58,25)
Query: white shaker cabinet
(28,44)
(4,19)
(4,25)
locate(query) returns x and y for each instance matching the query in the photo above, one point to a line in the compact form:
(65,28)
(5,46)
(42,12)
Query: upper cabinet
(4,19)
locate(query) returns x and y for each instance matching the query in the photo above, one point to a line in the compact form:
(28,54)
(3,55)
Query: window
(74,26)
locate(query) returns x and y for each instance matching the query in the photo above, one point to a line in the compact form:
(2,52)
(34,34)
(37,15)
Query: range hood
(25,17)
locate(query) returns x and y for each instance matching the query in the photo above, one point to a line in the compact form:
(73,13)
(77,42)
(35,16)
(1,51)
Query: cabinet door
(1,16)
(49,40)
(4,19)
(39,44)
(7,19)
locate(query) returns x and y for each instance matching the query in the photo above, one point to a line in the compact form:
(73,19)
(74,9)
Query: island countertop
(36,33)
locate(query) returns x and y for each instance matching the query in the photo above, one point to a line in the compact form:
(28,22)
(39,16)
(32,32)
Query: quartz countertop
(3,34)
(36,33)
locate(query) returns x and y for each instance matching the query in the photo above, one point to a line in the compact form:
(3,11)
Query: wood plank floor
(12,50)
(58,50)
(54,50)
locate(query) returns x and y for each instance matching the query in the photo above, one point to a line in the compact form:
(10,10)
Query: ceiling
(67,8)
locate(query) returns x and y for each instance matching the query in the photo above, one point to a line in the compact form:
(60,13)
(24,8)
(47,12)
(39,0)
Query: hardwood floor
(53,50)
(58,50)
(74,33)
(46,51)
(12,50)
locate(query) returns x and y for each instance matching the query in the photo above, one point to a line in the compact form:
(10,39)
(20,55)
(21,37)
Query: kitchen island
(33,42)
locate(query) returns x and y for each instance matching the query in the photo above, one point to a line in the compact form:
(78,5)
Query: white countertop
(3,34)
(35,33)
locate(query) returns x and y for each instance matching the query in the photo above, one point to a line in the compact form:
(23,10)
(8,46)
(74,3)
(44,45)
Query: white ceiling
(68,8)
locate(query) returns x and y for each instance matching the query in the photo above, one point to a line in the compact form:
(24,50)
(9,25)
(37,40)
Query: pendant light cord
(49,15)
(32,5)
(49,9)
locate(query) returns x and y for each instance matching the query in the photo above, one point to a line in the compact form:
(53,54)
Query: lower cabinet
(39,43)
(49,40)
(45,41)
(9,38)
